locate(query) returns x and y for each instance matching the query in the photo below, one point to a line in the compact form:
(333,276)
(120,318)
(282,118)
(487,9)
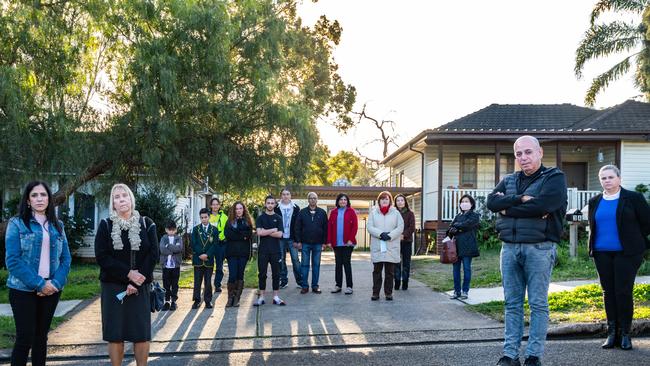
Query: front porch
(451,197)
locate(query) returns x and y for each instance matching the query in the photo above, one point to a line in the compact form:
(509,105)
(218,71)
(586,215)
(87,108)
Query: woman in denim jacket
(38,260)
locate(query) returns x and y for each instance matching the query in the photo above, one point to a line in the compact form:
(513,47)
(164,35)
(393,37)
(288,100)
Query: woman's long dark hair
(341,195)
(406,203)
(232,216)
(25,212)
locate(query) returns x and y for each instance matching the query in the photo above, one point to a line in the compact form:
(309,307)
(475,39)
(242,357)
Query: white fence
(451,197)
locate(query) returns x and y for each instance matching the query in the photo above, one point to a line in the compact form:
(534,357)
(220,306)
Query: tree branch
(89,174)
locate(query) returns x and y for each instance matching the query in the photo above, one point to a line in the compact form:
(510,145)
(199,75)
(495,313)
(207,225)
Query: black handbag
(156,297)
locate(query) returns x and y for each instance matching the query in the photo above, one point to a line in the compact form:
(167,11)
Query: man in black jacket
(311,236)
(531,205)
(288,211)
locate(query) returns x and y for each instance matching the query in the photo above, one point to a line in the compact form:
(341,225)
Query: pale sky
(426,63)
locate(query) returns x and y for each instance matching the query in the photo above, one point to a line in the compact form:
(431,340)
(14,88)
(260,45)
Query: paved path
(308,320)
(62,308)
(483,295)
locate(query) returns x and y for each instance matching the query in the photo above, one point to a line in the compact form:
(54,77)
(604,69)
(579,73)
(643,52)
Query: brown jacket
(409,225)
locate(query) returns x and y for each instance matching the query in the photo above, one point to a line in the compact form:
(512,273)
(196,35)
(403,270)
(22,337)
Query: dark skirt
(129,320)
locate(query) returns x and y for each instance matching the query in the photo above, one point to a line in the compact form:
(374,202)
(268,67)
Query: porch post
(617,152)
(440,145)
(497,163)
(558,156)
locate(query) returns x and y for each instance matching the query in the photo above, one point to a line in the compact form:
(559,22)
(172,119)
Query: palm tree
(617,37)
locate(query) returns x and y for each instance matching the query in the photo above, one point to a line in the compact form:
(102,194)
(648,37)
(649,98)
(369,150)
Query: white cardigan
(378,223)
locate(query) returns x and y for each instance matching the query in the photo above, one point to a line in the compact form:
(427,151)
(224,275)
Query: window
(477,170)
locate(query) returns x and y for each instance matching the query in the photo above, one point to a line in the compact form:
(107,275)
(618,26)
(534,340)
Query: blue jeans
(526,266)
(295,262)
(313,251)
(219,256)
(467,274)
(236,268)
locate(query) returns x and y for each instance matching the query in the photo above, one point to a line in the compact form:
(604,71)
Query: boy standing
(269,229)
(204,241)
(171,256)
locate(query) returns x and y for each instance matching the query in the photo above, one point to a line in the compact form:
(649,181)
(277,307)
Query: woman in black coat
(463,228)
(238,232)
(619,222)
(126,249)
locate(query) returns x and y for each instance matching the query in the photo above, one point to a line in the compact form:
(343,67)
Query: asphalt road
(558,352)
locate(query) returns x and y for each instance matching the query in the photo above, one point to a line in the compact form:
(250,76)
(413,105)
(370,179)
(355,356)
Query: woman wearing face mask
(126,249)
(385,226)
(38,260)
(463,228)
(406,241)
(619,222)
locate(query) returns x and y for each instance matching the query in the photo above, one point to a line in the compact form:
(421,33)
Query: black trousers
(202,274)
(403,269)
(170,283)
(617,273)
(263,261)
(33,317)
(343,260)
(389,270)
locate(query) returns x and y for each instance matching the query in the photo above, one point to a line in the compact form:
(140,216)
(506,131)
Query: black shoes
(626,342)
(173,307)
(397,285)
(611,340)
(405,285)
(532,361)
(208,305)
(166,306)
(196,304)
(507,361)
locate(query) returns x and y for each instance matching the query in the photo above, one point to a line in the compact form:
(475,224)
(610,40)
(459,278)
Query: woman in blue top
(619,222)
(38,260)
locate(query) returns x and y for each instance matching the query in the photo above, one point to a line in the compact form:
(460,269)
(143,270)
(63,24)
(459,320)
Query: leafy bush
(10,208)
(155,203)
(76,228)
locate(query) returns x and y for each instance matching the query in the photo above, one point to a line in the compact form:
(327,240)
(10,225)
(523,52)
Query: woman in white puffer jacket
(385,226)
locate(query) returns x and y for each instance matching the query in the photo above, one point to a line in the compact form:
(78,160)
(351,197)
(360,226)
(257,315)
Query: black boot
(612,331)
(231,294)
(626,340)
(397,284)
(405,285)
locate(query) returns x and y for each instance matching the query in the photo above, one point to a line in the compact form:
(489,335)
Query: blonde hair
(611,167)
(126,188)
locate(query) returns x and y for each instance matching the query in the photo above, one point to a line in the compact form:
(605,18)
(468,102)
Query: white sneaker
(348,291)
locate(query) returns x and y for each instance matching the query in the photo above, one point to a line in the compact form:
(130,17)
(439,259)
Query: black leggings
(32,316)
(263,261)
(343,259)
(617,273)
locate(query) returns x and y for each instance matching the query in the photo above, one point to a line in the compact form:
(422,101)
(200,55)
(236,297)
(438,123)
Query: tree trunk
(89,174)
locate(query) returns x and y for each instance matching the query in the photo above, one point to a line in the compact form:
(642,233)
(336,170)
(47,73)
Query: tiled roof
(630,116)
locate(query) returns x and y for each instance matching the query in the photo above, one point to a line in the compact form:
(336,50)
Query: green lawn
(8,330)
(486,273)
(583,304)
(83,283)
(250,276)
